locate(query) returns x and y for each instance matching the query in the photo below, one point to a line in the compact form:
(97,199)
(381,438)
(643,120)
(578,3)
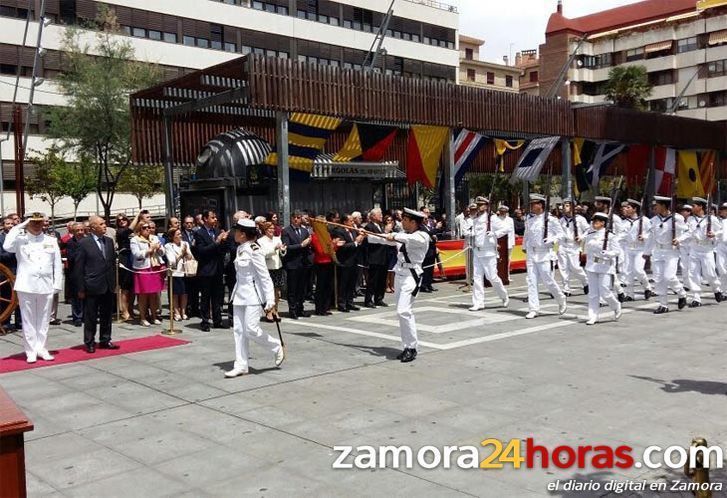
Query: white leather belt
(409,266)
(665,247)
(599,260)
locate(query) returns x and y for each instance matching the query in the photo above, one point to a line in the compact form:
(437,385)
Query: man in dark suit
(431,256)
(77,235)
(94,272)
(210,245)
(347,255)
(8,259)
(377,257)
(296,262)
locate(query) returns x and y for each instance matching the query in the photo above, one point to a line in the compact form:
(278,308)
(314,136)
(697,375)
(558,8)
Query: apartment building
(183,35)
(682,44)
(476,72)
(528,63)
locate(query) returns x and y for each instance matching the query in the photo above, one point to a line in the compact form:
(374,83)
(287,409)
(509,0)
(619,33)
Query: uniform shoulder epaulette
(254,246)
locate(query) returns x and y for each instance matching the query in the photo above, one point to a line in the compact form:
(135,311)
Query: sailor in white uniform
(414,244)
(685,246)
(603,205)
(636,232)
(39,277)
(485,231)
(569,248)
(253,291)
(600,266)
(663,247)
(503,213)
(702,233)
(721,248)
(540,255)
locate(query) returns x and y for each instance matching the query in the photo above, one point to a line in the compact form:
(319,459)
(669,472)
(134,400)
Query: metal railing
(436,5)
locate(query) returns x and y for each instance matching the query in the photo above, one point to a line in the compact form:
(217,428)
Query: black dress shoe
(343,309)
(621,297)
(682,303)
(567,294)
(90,348)
(77,324)
(409,355)
(718,297)
(220,325)
(628,299)
(353,307)
(695,304)
(585,289)
(55,322)
(293,316)
(382,304)
(108,345)
(647,294)
(205,327)
(304,314)
(426,290)
(399,356)
(433,289)
(369,305)
(661,310)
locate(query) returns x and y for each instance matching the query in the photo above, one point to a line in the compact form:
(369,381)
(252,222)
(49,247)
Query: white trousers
(722,267)
(702,266)
(569,264)
(35,309)
(541,273)
(404,286)
(599,288)
(486,266)
(665,277)
(633,269)
(245,326)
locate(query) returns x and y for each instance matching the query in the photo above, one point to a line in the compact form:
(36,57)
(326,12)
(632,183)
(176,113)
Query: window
(258,5)
(471,74)
(138,32)
(533,77)
(245,50)
(662,78)
(67,11)
(170,37)
(155,35)
(334,21)
(490,78)
(203,43)
(270,8)
(687,45)
(508,81)
(217,36)
(717,68)
(230,47)
(283,55)
(717,99)
(415,38)
(301,14)
(126,30)
(8,69)
(634,54)
(258,51)
(468,54)
(281,10)
(189,41)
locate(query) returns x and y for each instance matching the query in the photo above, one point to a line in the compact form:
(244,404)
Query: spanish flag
(423,152)
(690,181)
(707,165)
(307,136)
(366,143)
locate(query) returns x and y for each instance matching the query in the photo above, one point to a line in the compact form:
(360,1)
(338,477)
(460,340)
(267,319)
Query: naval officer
(39,277)
(414,244)
(253,291)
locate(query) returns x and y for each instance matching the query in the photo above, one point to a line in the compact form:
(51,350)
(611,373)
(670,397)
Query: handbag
(190,267)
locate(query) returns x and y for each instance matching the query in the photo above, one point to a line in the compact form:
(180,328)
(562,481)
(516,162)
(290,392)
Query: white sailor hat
(35,216)
(602,198)
(723,206)
(536,198)
(481,200)
(685,207)
(633,202)
(568,200)
(503,207)
(662,199)
(699,200)
(414,215)
(246,223)
(472,206)
(600,217)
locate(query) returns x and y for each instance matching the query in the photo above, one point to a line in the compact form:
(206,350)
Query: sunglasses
(145,227)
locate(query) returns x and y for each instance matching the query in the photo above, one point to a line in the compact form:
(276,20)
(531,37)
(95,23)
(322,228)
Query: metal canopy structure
(172,121)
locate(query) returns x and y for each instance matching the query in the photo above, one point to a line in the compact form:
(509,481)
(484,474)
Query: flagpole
(567,183)
(451,187)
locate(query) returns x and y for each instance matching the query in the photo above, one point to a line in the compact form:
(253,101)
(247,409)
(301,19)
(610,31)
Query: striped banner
(466,146)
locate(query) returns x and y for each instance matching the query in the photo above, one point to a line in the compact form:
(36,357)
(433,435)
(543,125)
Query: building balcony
(716,84)
(657,64)
(717,53)
(662,92)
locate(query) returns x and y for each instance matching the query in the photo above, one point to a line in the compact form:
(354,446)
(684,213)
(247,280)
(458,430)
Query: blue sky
(517,22)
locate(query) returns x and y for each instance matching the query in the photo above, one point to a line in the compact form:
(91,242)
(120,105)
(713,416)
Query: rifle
(673,209)
(644,207)
(547,205)
(709,214)
(489,205)
(614,198)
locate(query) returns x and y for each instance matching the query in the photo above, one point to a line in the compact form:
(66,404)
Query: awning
(658,47)
(717,37)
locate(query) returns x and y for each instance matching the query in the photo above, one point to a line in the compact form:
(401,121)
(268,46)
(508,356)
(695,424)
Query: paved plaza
(167,423)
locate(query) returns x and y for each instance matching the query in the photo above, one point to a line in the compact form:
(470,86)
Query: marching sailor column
(540,255)
(636,232)
(662,246)
(415,242)
(485,231)
(253,284)
(600,266)
(569,248)
(39,276)
(703,229)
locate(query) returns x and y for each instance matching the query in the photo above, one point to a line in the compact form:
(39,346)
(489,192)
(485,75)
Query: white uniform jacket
(630,240)
(484,242)
(254,286)
(570,225)
(696,234)
(40,270)
(415,245)
(659,246)
(598,260)
(539,250)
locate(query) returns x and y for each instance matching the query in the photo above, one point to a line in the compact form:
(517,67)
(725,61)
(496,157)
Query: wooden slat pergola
(172,121)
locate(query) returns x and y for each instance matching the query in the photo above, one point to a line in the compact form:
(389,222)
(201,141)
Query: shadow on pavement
(687,385)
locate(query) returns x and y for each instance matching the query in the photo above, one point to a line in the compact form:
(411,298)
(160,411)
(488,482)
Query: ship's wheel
(8,297)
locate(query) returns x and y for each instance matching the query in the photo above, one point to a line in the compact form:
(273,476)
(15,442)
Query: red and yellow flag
(707,165)
(423,152)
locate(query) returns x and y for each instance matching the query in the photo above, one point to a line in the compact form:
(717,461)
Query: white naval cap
(35,216)
(472,206)
(503,207)
(699,200)
(568,200)
(685,207)
(415,215)
(600,217)
(246,223)
(662,199)
(482,200)
(633,202)
(536,198)
(602,198)
(723,206)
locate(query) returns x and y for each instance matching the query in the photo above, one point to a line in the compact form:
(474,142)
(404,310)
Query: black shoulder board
(254,246)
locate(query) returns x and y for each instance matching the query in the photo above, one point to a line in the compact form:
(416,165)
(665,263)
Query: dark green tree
(628,87)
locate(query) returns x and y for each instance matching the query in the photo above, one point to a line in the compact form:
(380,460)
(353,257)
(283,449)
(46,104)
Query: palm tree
(628,86)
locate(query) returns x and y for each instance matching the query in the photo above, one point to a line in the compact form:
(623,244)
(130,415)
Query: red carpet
(78,353)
